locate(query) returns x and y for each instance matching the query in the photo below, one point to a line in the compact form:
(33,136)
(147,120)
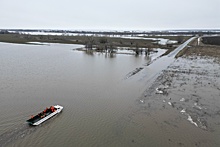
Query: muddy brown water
(102,107)
(91,87)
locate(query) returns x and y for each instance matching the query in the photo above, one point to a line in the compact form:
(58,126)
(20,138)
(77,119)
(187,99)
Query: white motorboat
(45,115)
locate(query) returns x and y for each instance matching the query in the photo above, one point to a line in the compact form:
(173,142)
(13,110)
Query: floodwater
(91,87)
(109,100)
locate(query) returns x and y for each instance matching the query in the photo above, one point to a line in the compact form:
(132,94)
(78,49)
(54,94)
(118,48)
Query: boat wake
(16,133)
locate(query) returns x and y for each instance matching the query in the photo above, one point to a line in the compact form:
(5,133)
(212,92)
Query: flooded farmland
(159,105)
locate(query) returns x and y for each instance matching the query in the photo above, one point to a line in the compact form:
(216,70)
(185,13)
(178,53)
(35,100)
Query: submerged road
(179,48)
(152,71)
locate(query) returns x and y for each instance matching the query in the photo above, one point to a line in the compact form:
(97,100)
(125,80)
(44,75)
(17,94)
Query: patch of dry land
(182,107)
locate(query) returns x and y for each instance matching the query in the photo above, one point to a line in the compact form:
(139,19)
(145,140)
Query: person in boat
(52,108)
(45,110)
(43,116)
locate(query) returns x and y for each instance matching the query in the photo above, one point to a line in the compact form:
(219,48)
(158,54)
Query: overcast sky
(110,14)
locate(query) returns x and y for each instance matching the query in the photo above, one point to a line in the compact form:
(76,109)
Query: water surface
(91,87)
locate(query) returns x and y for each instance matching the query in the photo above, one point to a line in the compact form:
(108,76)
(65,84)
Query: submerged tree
(89,42)
(179,39)
(102,44)
(137,51)
(111,47)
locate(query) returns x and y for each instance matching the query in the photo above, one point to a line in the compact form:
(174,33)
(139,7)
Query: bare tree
(179,39)
(137,51)
(89,42)
(103,44)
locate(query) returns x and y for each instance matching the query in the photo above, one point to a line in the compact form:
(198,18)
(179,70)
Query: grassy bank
(203,50)
(88,40)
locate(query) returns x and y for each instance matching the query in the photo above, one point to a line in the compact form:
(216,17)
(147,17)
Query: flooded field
(181,107)
(119,100)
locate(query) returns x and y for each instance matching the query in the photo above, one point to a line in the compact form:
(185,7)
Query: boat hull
(43,116)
